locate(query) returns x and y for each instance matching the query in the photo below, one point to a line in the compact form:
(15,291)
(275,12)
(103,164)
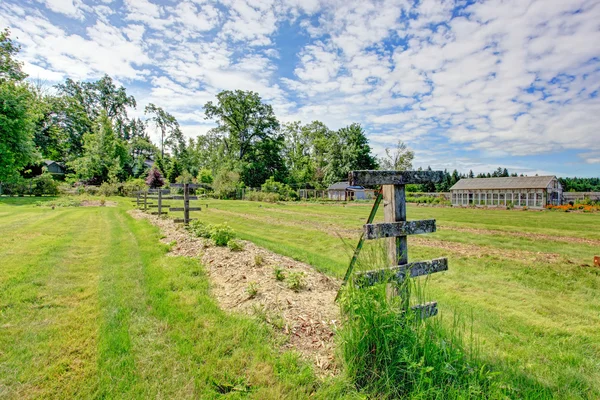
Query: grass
(91,306)
(525,277)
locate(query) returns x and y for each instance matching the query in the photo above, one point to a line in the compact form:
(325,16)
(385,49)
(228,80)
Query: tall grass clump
(388,351)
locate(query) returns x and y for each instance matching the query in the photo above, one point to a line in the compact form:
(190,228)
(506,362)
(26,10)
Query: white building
(523,191)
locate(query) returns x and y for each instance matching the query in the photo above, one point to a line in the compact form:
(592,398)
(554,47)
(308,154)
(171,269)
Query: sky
(471,85)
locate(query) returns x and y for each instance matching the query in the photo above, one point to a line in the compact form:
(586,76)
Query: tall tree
(164,122)
(348,150)
(399,158)
(242,120)
(10,68)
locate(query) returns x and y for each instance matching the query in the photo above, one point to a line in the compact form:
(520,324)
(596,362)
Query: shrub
(283,190)
(235,245)
(221,234)
(262,196)
(155,179)
(91,190)
(108,189)
(44,184)
(134,185)
(199,229)
(296,281)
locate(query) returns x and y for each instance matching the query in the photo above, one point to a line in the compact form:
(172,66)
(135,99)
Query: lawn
(523,281)
(91,306)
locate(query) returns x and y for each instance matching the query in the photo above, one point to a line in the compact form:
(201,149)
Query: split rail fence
(145,200)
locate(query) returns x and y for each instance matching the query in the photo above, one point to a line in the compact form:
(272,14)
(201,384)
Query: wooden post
(159,201)
(186,204)
(394,209)
(145,200)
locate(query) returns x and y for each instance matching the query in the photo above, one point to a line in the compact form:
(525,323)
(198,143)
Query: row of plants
(427,200)
(574,207)
(220,234)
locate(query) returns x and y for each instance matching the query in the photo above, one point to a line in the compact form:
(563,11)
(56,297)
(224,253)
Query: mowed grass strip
(534,302)
(92,306)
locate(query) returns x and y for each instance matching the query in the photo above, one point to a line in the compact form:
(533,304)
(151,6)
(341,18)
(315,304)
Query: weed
(252,290)
(199,229)
(268,316)
(296,281)
(278,272)
(259,260)
(235,245)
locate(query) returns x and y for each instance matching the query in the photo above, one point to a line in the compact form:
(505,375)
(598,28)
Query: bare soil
(97,203)
(307,317)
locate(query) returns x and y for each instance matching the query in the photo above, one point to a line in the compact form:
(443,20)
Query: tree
(348,150)
(164,122)
(10,68)
(17,148)
(174,171)
(471,175)
(155,179)
(398,159)
(242,121)
(105,156)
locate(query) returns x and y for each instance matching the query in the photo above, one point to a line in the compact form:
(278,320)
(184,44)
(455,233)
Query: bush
(235,245)
(199,229)
(278,273)
(283,190)
(221,234)
(129,188)
(108,189)
(262,196)
(44,184)
(91,190)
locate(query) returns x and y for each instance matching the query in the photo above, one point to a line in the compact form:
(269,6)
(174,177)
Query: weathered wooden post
(159,202)
(186,204)
(186,201)
(396,229)
(145,201)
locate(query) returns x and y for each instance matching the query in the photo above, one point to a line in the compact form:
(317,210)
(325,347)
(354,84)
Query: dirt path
(307,317)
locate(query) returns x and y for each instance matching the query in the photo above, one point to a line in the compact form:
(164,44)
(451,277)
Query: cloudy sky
(467,84)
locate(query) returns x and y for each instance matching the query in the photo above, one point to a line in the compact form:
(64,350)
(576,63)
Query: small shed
(343,191)
(54,167)
(522,191)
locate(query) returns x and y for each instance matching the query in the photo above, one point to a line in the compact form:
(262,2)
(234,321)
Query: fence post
(159,201)
(186,204)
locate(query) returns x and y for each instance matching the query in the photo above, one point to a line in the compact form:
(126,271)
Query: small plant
(278,272)
(199,229)
(259,260)
(296,281)
(221,234)
(235,245)
(102,202)
(252,290)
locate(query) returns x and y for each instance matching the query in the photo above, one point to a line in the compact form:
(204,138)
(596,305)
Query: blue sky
(466,84)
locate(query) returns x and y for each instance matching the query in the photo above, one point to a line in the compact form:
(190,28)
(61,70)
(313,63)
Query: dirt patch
(567,239)
(308,317)
(98,203)
(476,251)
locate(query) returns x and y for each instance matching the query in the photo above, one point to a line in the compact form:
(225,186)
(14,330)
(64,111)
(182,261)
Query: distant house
(54,167)
(342,191)
(522,191)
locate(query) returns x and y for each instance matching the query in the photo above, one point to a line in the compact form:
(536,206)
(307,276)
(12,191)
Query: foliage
(284,191)
(258,260)
(262,196)
(252,290)
(104,156)
(44,184)
(278,273)
(235,245)
(174,172)
(398,159)
(10,68)
(585,207)
(205,176)
(296,281)
(580,184)
(131,186)
(17,148)
(155,179)
(60,202)
(226,184)
(221,234)
(109,189)
(199,229)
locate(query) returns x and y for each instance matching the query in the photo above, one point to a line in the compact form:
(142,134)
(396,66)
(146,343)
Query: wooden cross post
(186,204)
(396,228)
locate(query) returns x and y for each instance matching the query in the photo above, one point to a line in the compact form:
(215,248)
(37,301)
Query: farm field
(524,281)
(92,307)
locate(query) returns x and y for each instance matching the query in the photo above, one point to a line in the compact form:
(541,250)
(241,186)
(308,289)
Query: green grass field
(524,280)
(91,306)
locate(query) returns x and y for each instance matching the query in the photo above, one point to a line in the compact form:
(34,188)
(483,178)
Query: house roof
(50,162)
(517,182)
(343,186)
